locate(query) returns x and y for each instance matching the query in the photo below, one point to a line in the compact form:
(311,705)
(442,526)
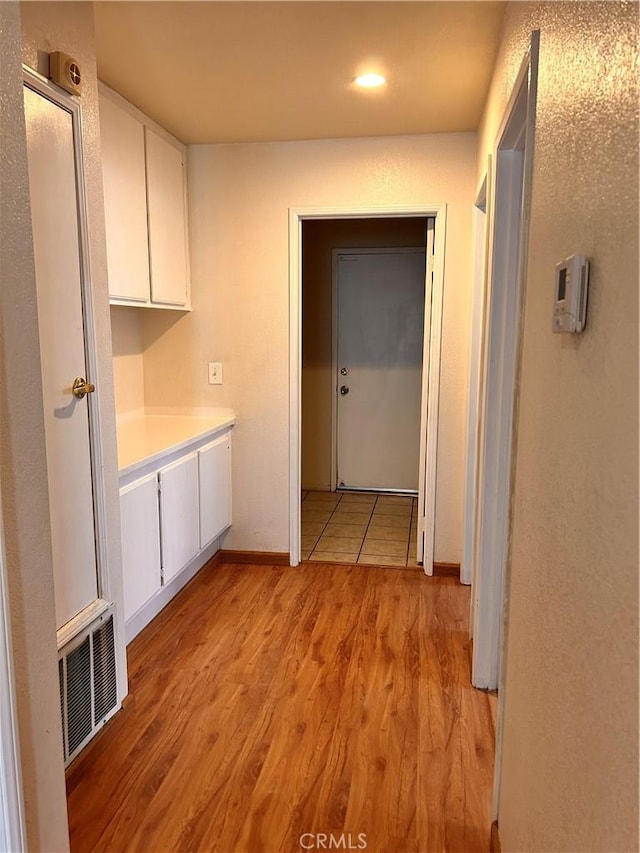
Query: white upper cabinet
(125,202)
(144,177)
(165,199)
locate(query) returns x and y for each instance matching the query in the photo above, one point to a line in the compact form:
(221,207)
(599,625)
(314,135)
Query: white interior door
(54,207)
(380,331)
(430,403)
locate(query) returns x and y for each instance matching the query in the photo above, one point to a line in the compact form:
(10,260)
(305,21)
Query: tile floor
(359,527)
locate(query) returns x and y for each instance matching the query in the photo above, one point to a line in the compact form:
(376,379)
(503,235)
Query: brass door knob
(81,387)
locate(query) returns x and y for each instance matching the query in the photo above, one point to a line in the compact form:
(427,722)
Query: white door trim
(502,352)
(12,828)
(511,195)
(430,398)
(296,217)
(480,276)
(529,76)
(67,102)
(335,259)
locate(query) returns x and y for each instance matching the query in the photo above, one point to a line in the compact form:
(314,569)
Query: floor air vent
(88,684)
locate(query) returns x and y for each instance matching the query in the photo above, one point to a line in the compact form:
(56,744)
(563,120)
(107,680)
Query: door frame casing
(46,89)
(430,388)
(481,258)
(513,153)
(335,260)
(528,75)
(509,223)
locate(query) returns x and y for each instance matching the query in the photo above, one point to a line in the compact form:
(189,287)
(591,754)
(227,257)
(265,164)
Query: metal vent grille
(88,684)
(61,683)
(104,670)
(78,690)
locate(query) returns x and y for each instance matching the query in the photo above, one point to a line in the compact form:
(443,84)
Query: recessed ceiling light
(370,81)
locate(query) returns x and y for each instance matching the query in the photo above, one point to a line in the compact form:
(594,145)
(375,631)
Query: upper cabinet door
(167,220)
(125,202)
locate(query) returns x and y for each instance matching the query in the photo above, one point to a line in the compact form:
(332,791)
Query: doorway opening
(363,289)
(363,298)
(366,312)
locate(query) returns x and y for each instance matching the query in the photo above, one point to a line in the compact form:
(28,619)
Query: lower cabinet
(179,511)
(140,524)
(214,473)
(169,516)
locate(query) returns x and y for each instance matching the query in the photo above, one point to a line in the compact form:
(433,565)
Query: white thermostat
(572,286)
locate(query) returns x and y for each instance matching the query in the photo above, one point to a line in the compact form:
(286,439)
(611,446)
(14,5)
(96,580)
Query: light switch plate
(215,373)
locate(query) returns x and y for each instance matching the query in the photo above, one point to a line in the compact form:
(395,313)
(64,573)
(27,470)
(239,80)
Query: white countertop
(143,438)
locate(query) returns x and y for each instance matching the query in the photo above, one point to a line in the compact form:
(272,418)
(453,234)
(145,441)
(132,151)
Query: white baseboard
(163,596)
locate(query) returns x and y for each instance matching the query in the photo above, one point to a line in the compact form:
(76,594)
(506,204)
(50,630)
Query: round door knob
(81,387)
(344,390)
(344,371)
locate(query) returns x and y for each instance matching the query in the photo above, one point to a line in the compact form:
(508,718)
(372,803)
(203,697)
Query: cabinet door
(167,221)
(140,525)
(125,202)
(214,464)
(179,521)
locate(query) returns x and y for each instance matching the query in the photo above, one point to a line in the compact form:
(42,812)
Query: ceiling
(261,71)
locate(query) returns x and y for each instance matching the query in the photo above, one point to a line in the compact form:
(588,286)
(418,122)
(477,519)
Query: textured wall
(239,200)
(25,516)
(319,238)
(45,27)
(128,361)
(570,756)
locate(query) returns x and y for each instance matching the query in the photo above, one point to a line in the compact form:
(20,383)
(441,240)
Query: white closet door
(214,464)
(167,218)
(179,515)
(140,525)
(125,202)
(54,212)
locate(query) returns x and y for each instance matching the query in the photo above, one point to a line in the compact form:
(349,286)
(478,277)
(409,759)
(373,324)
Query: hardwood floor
(269,702)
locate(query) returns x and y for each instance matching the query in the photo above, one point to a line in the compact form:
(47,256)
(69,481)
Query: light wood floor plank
(270,702)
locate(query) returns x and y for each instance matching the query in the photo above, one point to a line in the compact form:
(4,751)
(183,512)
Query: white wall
(239,199)
(570,752)
(128,358)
